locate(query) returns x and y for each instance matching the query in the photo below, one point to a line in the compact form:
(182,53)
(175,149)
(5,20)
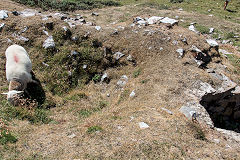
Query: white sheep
(18,70)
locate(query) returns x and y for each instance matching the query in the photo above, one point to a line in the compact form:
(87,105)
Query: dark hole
(224,109)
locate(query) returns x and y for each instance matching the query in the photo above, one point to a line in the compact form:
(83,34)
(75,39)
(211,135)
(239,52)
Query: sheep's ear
(4,93)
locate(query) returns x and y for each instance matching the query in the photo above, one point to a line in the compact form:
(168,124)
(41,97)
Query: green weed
(93,129)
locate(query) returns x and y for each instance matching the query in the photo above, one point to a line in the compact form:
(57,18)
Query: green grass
(34,115)
(68,5)
(137,72)
(93,129)
(77,97)
(235,61)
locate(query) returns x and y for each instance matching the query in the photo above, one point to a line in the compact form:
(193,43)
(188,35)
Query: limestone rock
(169,21)
(118,55)
(154,19)
(122,81)
(143,125)
(49,43)
(212,42)
(1,26)
(180,51)
(3,14)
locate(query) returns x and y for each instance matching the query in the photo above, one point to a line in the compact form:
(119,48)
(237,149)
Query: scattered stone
(143,125)
(118,55)
(195,49)
(49,25)
(74,53)
(142,23)
(84,66)
(122,81)
(72,136)
(95,14)
(20,38)
(132,94)
(168,111)
(108,95)
(98,28)
(45,32)
(15,13)
(28,13)
(180,9)
(169,21)
(24,29)
(181,52)
(224,52)
(211,30)
(49,43)
(75,38)
(130,58)
(137,19)
(225,41)
(161,48)
(190,113)
(192,28)
(105,78)
(154,19)
(177,17)
(45,64)
(3,14)
(184,40)
(1,26)
(216,141)
(209,10)
(175,42)
(212,42)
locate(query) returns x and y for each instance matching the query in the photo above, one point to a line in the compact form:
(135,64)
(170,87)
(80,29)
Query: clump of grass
(66,5)
(77,97)
(84,113)
(96,78)
(33,115)
(5,134)
(123,95)
(229,35)
(136,73)
(197,132)
(235,61)
(156,5)
(102,104)
(65,71)
(93,129)
(202,29)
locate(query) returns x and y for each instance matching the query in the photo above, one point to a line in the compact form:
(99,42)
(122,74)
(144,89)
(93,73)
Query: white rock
(132,94)
(72,136)
(211,30)
(225,41)
(224,52)
(180,51)
(49,43)
(142,23)
(143,125)
(20,38)
(154,19)
(212,42)
(180,9)
(28,13)
(168,111)
(122,81)
(175,42)
(138,19)
(192,28)
(104,76)
(45,32)
(161,48)
(1,26)
(45,64)
(98,28)
(118,55)
(129,58)
(84,66)
(3,14)
(195,49)
(188,112)
(169,21)
(177,17)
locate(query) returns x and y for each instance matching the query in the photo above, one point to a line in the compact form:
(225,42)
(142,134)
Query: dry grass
(87,124)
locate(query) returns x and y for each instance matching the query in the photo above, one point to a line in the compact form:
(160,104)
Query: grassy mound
(67,5)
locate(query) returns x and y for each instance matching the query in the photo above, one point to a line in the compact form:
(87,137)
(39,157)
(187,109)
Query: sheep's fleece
(18,64)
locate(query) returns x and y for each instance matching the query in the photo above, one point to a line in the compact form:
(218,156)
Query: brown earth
(162,81)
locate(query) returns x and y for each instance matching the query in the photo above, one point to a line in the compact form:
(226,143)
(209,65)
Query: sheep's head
(12,94)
